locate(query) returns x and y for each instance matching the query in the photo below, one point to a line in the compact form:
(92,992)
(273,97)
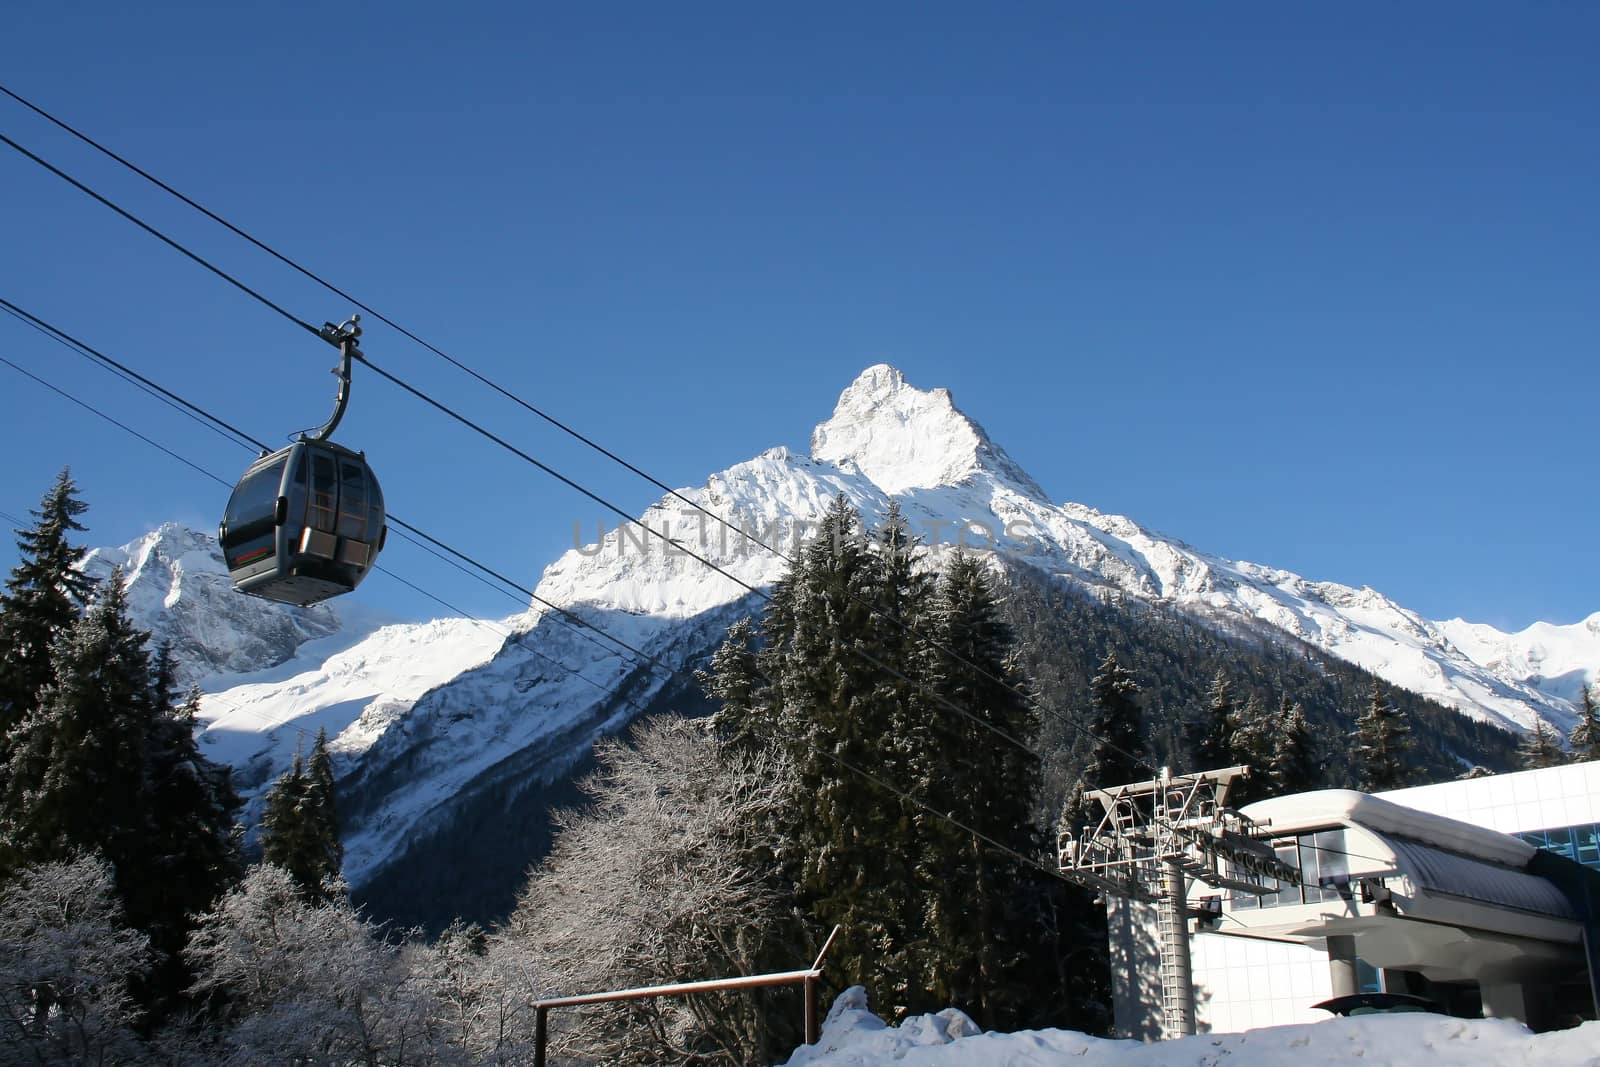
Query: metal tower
(1152,838)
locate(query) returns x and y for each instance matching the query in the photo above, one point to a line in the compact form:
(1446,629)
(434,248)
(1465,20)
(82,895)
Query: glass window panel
(324,492)
(1333,864)
(1588,841)
(1580,843)
(255,499)
(1309,892)
(1287,893)
(352,500)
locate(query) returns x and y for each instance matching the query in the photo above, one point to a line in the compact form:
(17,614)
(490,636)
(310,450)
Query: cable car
(306,523)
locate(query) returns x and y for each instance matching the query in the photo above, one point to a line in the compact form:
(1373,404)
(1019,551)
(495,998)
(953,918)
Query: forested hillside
(1064,633)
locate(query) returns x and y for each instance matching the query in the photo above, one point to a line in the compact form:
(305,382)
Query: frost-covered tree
(66,961)
(1541,747)
(1585,739)
(309,982)
(645,885)
(1214,741)
(1252,746)
(1294,766)
(1382,744)
(478,988)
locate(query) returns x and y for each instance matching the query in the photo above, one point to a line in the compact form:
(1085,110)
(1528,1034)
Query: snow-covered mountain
(956,486)
(178,589)
(427,716)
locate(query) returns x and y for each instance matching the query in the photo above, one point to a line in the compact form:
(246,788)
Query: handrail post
(539,1014)
(811,1011)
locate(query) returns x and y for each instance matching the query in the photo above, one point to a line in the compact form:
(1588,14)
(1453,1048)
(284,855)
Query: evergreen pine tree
(1118,758)
(1382,743)
(283,829)
(322,811)
(1294,767)
(1214,745)
(733,683)
(917,727)
(41,602)
(106,763)
(75,778)
(837,709)
(980,930)
(299,824)
(189,846)
(1585,739)
(1119,752)
(1251,746)
(1540,748)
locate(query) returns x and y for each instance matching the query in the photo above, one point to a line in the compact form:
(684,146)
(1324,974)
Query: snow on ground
(854,1037)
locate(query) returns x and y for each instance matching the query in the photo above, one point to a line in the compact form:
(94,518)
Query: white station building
(1473,894)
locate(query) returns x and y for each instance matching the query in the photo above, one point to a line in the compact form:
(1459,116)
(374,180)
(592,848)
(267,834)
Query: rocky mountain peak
(901,437)
(178,589)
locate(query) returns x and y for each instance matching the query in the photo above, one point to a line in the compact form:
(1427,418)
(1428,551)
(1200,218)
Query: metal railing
(808,978)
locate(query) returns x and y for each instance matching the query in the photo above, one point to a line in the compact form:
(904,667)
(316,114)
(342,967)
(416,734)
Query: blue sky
(1308,285)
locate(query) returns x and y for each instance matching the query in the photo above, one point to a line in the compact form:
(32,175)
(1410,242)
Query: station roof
(1346,807)
(1440,855)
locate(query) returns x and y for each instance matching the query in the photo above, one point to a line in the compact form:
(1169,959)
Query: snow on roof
(1441,871)
(1333,807)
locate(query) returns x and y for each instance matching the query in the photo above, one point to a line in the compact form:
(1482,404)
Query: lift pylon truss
(1173,818)
(1156,835)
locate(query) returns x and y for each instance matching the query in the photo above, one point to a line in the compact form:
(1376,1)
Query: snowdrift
(853,1037)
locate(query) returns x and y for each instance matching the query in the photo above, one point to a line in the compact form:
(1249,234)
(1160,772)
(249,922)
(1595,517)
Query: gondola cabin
(305,523)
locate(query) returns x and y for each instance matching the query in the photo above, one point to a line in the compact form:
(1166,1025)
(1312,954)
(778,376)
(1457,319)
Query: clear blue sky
(1314,285)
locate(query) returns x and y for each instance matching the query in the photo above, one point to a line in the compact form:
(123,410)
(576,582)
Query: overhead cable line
(611,690)
(120,425)
(525,404)
(115,369)
(574,622)
(380,316)
(71,342)
(245,439)
(1062,717)
(517,638)
(152,231)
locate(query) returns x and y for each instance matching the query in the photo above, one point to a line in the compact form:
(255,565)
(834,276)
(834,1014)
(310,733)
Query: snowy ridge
(1554,659)
(888,439)
(422,715)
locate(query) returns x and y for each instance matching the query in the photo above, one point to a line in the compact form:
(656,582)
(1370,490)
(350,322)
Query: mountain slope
(178,589)
(434,719)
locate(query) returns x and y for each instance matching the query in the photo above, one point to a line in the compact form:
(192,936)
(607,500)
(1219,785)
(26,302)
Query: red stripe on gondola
(251,557)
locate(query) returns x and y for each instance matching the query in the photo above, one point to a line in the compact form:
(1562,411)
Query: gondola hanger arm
(343,337)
